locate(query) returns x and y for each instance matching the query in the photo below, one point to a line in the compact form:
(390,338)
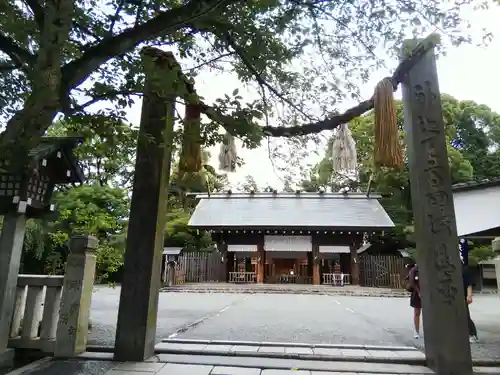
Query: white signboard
(287,243)
(334,249)
(242,248)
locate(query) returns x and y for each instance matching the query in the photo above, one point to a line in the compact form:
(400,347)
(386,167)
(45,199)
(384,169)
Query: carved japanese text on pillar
(74,308)
(445,269)
(63,318)
(71,330)
(439,219)
(73,285)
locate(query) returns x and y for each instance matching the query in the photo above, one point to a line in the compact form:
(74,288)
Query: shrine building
(307,238)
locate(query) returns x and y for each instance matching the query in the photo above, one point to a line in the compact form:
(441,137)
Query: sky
(467,72)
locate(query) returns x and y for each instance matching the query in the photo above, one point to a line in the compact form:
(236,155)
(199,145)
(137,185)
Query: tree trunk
(28,125)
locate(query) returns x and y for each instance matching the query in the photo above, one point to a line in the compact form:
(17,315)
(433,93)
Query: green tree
(479,253)
(108,152)
(65,56)
(248,184)
(474,131)
(393,184)
(90,209)
(178,234)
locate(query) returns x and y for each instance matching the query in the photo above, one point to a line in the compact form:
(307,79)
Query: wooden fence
(383,271)
(198,267)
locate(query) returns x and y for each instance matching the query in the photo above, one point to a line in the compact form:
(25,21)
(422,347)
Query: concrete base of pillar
(7,358)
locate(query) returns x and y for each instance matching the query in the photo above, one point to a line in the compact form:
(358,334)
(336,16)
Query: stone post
(72,328)
(11,245)
(138,310)
(447,347)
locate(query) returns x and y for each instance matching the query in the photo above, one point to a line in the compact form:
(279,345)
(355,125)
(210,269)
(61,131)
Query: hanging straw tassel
(387,147)
(344,155)
(190,160)
(227,155)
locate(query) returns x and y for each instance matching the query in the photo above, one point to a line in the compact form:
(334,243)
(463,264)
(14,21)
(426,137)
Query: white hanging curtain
(344,156)
(288,243)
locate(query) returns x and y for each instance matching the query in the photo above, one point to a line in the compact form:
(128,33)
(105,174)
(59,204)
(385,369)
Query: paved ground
(290,318)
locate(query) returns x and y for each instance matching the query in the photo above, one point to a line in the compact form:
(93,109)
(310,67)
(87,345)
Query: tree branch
(17,54)
(75,72)
(116,16)
(104,96)
(331,123)
(7,67)
(229,40)
(38,12)
(25,128)
(211,61)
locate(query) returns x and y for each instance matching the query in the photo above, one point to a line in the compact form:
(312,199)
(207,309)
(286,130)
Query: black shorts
(415,301)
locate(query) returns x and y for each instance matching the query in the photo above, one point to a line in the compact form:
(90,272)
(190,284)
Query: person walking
(415,300)
(468,300)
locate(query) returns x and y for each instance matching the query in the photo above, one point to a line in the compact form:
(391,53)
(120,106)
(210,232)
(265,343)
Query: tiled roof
(471,185)
(172,250)
(305,210)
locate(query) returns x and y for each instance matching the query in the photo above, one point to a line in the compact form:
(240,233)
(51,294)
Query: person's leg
(470,322)
(416,321)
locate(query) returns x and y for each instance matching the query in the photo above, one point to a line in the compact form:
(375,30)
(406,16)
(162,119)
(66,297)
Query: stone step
(285,344)
(102,364)
(329,292)
(345,353)
(180,361)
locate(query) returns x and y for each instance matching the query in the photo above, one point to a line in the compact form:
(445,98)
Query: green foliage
(315,52)
(480,253)
(300,53)
(472,133)
(97,210)
(108,152)
(177,233)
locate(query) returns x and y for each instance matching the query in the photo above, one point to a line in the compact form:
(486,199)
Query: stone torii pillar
(447,347)
(141,280)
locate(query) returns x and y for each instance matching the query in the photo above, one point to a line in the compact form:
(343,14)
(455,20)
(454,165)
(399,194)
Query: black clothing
(466,278)
(470,322)
(415,300)
(468,282)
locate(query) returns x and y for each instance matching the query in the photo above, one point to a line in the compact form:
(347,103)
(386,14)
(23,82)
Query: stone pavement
(295,351)
(101,364)
(216,357)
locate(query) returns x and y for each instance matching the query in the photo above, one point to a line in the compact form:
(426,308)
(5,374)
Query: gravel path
(290,318)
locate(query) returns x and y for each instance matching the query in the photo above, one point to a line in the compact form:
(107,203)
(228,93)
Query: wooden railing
(36,312)
(336,279)
(289,279)
(242,277)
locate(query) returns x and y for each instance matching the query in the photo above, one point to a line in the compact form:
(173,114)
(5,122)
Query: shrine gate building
(310,238)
